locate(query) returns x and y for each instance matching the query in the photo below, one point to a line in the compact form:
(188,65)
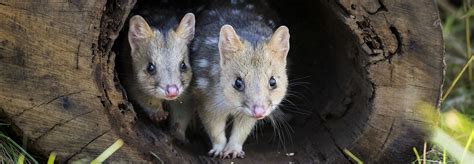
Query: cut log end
(358,71)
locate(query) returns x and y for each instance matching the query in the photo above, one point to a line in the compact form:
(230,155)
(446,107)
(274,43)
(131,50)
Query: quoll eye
(151,69)
(182,66)
(239,84)
(272,82)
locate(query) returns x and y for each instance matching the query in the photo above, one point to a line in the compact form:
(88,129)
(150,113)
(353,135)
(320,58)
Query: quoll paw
(216,151)
(233,152)
(159,116)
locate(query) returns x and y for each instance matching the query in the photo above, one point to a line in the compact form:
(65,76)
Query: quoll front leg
(181,114)
(159,115)
(154,110)
(241,128)
(215,128)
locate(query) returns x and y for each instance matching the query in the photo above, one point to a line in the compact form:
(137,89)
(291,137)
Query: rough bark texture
(375,61)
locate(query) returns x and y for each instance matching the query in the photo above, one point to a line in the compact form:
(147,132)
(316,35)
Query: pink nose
(258,111)
(172,91)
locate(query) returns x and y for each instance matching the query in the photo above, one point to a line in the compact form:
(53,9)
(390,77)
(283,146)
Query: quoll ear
(139,31)
(229,42)
(280,42)
(185,28)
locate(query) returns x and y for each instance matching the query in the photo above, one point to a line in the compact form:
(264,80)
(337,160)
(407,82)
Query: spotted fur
(246,48)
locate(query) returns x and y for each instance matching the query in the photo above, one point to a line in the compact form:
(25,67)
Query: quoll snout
(259,111)
(171,91)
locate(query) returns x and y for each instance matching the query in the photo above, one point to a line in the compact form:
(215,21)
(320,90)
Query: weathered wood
(409,70)
(375,61)
(48,55)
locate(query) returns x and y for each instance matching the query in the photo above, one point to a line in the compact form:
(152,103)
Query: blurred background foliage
(456,16)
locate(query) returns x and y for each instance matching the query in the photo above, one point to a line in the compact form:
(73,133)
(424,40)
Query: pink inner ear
(136,34)
(137,31)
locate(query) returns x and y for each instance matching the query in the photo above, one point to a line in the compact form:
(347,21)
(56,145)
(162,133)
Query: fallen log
(365,63)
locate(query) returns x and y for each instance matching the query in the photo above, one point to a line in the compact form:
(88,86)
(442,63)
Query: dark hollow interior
(329,96)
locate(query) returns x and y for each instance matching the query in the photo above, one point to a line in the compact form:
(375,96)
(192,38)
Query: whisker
(284,125)
(302,98)
(296,111)
(300,78)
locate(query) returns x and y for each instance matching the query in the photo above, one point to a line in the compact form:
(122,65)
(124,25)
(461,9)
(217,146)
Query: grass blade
(51,158)
(452,146)
(448,25)
(156,156)
(424,153)
(445,95)
(21,159)
(467,22)
(24,153)
(466,148)
(108,152)
(417,155)
(444,155)
(348,153)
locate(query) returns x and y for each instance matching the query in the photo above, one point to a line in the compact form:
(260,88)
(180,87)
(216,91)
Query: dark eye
(183,66)
(272,82)
(239,84)
(151,69)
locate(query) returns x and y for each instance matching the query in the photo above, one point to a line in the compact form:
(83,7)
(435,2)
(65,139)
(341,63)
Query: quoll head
(253,76)
(160,58)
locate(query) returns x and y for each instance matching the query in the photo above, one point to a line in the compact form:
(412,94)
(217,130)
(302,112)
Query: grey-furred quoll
(160,62)
(239,66)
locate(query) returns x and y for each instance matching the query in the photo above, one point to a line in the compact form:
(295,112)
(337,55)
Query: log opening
(331,98)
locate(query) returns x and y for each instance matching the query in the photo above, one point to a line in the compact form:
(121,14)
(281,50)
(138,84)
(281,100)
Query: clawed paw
(159,116)
(216,151)
(234,153)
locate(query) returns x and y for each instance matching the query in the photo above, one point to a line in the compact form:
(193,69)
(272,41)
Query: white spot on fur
(213,12)
(271,23)
(215,69)
(235,11)
(203,63)
(250,6)
(210,40)
(259,17)
(202,83)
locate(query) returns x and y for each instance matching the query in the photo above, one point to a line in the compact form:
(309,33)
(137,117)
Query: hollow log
(365,63)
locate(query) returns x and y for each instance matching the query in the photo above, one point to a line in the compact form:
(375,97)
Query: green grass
(452,139)
(10,151)
(457,26)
